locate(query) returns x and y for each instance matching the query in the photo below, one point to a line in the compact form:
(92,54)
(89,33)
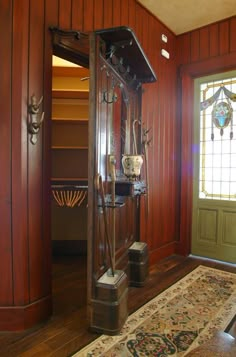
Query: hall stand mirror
(116,179)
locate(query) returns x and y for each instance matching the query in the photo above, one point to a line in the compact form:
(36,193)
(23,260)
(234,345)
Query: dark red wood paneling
(195,46)
(211,65)
(232,41)
(186,164)
(183,48)
(214,40)
(132,19)
(150,48)
(124,12)
(51,9)
(146,221)
(23,317)
(159,111)
(143,39)
(32,75)
(65,14)
(150,95)
(98,14)
(19,153)
(107,13)
(169,126)
(77,14)
(116,13)
(172,47)
(224,37)
(160,168)
(147,118)
(153,52)
(210,41)
(6,288)
(171,182)
(139,23)
(88,15)
(35,204)
(204,43)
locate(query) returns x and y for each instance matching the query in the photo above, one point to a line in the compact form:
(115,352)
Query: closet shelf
(69,181)
(69,147)
(70,120)
(69,187)
(71,94)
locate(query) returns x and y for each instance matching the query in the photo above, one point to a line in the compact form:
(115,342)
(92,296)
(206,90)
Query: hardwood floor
(67,330)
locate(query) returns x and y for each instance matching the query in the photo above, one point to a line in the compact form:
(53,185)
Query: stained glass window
(218,140)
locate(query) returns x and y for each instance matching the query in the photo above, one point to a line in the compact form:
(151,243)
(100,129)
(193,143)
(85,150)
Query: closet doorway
(69,182)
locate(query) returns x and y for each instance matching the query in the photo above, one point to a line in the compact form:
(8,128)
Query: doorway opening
(69,182)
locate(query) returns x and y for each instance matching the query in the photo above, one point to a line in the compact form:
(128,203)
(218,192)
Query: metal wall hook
(125,95)
(119,44)
(34,122)
(123,70)
(133,79)
(109,97)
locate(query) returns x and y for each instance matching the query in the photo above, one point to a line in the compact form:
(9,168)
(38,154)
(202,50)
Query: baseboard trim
(20,318)
(162,252)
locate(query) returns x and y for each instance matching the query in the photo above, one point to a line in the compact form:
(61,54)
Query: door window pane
(217,174)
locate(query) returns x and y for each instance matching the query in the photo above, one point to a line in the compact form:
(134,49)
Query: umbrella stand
(110,302)
(101,190)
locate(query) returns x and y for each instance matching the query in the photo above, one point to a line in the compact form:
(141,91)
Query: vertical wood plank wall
(6,292)
(210,42)
(208,50)
(24,190)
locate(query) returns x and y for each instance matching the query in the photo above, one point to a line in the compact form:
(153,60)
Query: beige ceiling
(185,15)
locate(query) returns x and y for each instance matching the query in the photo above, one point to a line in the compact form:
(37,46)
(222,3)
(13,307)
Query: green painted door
(214,151)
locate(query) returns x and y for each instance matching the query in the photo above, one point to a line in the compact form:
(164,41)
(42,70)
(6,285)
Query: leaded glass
(217,176)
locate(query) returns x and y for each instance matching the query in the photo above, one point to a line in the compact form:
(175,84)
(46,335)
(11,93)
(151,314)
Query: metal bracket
(35,123)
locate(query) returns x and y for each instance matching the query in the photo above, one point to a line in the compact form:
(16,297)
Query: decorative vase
(132,165)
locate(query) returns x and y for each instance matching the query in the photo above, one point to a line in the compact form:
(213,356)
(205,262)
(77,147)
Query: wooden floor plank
(68,331)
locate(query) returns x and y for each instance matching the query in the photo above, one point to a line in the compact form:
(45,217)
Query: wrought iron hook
(112,99)
(34,124)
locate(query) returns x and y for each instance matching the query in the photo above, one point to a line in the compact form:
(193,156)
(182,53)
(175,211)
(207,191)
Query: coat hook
(109,97)
(35,122)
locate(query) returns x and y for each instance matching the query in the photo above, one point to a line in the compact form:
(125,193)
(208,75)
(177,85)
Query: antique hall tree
(116,172)
(116,258)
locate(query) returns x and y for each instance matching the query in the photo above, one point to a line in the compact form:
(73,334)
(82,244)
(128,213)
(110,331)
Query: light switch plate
(165,54)
(164,38)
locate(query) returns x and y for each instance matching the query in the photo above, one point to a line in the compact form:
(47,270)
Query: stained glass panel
(218,140)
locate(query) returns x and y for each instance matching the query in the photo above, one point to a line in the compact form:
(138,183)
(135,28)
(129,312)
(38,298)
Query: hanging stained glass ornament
(222,116)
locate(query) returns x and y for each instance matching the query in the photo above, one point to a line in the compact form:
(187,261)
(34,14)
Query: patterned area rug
(181,318)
